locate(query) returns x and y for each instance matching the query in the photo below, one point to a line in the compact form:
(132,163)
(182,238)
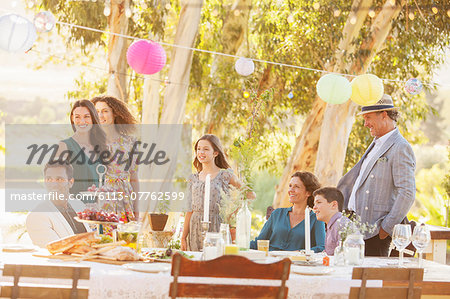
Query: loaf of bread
(68,242)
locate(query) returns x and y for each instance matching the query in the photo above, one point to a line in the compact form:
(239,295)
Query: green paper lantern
(367,89)
(334,89)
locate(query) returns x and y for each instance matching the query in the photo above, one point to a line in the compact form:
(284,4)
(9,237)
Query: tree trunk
(233,34)
(152,83)
(180,62)
(307,143)
(339,119)
(117,48)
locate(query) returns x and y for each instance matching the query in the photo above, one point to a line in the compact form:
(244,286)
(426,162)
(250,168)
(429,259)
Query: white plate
(305,270)
(18,248)
(283,253)
(148,267)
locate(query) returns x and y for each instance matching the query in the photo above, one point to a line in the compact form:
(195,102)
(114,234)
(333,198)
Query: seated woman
(286,226)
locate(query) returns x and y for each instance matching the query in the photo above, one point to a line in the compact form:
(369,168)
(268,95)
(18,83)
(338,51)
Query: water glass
(401,237)
(421,238)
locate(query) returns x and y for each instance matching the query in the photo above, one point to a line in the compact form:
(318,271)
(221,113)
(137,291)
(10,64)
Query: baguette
(68,242)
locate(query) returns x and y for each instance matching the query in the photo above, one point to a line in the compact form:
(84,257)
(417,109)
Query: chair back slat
(228,266)
(403,283)
(388,274)
(227,291)
(225,267)
(63,272)
(44,292)
(428,288)
(385,293)
(20,290)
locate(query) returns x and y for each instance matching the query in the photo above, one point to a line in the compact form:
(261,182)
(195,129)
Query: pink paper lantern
(146,57)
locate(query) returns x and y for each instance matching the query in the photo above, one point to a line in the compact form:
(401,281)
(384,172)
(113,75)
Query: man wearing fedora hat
(380,188)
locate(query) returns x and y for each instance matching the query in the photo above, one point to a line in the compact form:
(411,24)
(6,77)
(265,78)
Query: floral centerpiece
(351,247)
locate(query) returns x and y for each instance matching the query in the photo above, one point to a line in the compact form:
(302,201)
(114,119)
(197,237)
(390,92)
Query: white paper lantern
(17,34)
(44,21)
(244,66)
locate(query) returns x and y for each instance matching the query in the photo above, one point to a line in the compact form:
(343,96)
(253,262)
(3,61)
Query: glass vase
(354,250)
(338,255)
(212,246)
(243,226)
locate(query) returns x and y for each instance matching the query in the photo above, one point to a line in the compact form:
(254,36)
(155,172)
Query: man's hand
(383,234)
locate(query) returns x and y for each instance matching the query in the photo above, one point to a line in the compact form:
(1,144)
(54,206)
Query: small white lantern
(44,21)
(17,34)
(244,66)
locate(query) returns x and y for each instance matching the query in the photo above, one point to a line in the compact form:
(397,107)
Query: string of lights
(226,55)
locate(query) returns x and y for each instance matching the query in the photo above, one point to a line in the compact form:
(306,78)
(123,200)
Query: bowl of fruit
(97,217)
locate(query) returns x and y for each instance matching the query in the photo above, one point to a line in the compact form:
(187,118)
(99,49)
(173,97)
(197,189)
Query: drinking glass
(421,238)
(225,231)
(263,245)
(128,232)
(401,237)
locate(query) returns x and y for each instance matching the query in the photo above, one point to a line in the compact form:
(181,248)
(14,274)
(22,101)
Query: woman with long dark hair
(119,125)
(85,146)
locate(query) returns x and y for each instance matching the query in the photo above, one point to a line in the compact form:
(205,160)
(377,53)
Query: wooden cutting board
(68,257)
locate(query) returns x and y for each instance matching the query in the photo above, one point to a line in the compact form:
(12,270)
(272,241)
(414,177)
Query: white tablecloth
(111,281)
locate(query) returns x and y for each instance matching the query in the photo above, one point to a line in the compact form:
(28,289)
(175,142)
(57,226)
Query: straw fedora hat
(384,104)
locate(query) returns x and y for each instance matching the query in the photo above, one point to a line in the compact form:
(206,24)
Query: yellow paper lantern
(367,89)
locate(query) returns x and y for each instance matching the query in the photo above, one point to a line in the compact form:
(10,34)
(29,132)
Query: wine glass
(401,237)
(420,239)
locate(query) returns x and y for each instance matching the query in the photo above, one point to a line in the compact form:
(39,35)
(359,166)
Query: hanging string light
(168,6)
(127,9)
(107,9)
(316,5)
(411,16)
(290,19)
(434,9)
(337,12)
(246,94)
(353,20)
(371,13)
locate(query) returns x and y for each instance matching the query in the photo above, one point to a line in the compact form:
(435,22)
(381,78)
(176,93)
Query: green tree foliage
(285,31)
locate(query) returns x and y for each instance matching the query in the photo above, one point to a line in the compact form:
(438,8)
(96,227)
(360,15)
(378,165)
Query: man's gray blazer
(387,188)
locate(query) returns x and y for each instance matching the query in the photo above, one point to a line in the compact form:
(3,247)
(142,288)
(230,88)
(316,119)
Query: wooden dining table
(116,281)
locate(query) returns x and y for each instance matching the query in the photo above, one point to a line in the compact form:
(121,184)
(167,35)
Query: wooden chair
(430,289)
(407,283)
(28,290)
(228,266)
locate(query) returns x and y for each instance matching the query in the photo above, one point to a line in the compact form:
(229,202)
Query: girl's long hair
(219,160)
(124,121)
(97,137)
